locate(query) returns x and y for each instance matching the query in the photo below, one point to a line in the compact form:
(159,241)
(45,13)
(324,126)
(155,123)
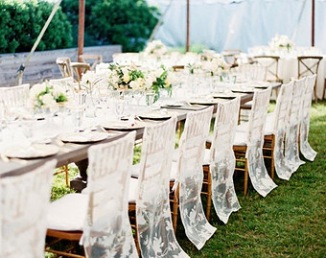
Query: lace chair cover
(279,129)
(190,177)
(222,160)
(154,223)
(292,132)
(305,148)
(107,232)
(23,207)
(258,174)
(14,96)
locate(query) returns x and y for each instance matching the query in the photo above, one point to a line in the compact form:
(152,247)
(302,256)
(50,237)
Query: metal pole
(81,25)
(312,23)
(188,27)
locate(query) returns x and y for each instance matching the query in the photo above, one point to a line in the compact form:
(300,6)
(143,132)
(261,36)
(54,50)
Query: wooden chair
(220,162)
(309,65)
(99,217)
(64,66)
(271,64)
(187,178)
(274,133)
(248,146)
(24,201)
(92,59)
(149,199)
(78,69)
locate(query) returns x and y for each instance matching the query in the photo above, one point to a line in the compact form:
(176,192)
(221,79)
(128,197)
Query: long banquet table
(73,152)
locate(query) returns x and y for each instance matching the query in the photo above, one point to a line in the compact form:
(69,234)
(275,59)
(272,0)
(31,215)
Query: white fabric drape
(190,177)
(226,24)
(222,160)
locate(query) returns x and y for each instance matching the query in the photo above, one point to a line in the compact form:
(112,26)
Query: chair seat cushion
(207,157)
(68,213)
(269,125)
(133,190)
(240,138)
(135,170)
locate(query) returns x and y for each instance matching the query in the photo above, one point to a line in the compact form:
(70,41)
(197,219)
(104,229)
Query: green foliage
(22,21)
(124,22)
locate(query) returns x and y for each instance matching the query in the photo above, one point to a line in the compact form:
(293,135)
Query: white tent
(240,24)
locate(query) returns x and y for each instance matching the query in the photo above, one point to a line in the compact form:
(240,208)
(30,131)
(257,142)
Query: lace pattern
(190,177)
(107,231)
(222,160)
(154,223)
(23,224)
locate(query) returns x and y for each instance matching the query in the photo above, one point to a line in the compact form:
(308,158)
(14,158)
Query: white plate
(158,115)
(31,152)
(203,101)
(83,137)
(123,125)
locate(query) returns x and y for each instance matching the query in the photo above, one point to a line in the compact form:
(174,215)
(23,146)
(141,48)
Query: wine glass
(119,106)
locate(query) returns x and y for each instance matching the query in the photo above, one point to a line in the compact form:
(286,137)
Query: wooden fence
(42,64)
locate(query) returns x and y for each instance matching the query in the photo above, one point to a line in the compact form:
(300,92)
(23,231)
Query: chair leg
(175,208)
(246,178)
(207,190)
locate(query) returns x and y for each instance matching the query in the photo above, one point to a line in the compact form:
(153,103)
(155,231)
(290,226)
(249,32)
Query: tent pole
(312,23)
(188,26)
(81,25)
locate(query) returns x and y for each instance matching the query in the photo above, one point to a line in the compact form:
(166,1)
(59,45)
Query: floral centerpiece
(212,64)
(155,47)
(46,95)
(160,79)
(281,42)
(127,77)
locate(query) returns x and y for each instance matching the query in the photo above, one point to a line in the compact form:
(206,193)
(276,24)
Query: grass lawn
(289,222)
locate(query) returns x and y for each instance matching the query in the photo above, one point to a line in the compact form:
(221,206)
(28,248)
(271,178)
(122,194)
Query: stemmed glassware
(119,105)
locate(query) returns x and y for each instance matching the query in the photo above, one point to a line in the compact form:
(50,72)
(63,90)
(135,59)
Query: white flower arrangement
(212,64)
(45,95)
(156,47)
(127,77)
(281,42)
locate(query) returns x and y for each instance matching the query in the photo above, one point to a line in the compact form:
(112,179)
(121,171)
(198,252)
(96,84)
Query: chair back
(259,177)
(107,229)
(308,65)
(257,117)
(305,147)
(271,65)
(253,72)
(78,69)
(154,224)
(14,96)
(281,113)
(222,159)
(92,59)
(190,176)
(64,66)
(24,200)
(292,131)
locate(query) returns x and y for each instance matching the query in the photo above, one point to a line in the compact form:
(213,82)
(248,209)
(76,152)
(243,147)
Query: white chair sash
(258,174)
(222,160)
(190,177)
(293,126)
(24,201)
(154,223)
(107,231)
(306,150)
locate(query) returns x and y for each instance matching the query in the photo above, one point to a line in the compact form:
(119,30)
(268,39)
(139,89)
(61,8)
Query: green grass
(289,222)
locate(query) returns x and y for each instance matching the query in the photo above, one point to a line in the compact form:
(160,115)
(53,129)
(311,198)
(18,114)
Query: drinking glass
(119,107)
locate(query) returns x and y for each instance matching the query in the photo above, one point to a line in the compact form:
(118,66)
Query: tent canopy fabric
(240,24)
